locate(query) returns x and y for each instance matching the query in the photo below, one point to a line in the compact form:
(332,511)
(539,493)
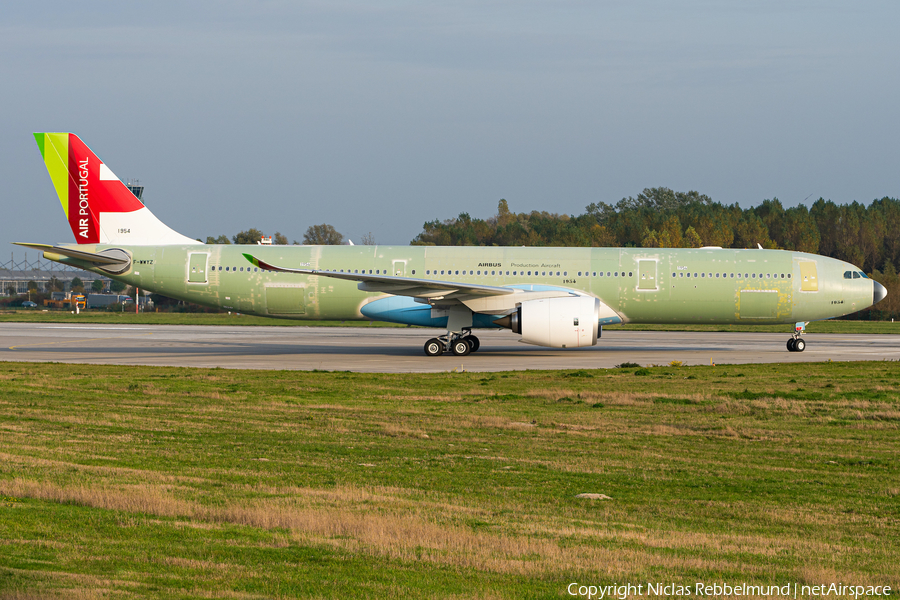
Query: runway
(400,350)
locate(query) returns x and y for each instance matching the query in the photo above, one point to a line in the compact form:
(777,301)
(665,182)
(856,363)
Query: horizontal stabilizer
(99,259)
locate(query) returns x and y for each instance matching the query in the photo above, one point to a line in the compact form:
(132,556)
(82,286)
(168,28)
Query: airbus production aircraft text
(554,297)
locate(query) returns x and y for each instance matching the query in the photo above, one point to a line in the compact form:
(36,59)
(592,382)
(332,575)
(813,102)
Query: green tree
(691,239)
(504,216)
(55,285)
(11,290)
(750,231)
(322,235)
(97,285)
(772,215)
(251,236)
(222,239)
(668,236)
(368,239)
(77,285)
(799,231)
(280,240)
(116,287)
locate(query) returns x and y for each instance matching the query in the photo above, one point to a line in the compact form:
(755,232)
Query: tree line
(866,236)
(316,235)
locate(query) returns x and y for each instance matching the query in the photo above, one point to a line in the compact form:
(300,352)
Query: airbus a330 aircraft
(555,297)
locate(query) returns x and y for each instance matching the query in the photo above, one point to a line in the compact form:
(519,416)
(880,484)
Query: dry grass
(399,528)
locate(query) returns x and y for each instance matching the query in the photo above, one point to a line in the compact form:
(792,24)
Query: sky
(378,117)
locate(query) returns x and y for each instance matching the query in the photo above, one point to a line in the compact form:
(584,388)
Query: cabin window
(595,273)
(789,275)
(702,274)
(768,275)
(442,271)
(579,273)
(565,273)
(529,272)
(717,275)
(674,275)
(255,269)
(616,273)
(493,273)
(479,272)
(629,274)
(507,272)
(413,271)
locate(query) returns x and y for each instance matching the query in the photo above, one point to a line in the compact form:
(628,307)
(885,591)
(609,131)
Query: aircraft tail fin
(98,206)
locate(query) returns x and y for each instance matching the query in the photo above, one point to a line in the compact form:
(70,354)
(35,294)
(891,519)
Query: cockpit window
(848,275)
(855,274)
(863,275)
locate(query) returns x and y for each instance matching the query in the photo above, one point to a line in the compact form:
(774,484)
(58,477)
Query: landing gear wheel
(790,345)
(434,347)
(799,345)
(473,342)
(461,347)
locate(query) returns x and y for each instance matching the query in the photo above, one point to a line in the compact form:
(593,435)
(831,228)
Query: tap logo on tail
(86,187)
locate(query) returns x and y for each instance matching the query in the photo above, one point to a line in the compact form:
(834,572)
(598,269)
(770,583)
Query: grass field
(98,317)
(120,482)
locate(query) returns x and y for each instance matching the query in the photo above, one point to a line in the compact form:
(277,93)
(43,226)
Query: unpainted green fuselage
(642,285)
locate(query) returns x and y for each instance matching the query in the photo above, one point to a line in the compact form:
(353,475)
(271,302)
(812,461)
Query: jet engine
(568,322)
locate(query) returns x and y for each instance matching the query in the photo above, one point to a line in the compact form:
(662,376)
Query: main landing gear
(796,344)
(459,344)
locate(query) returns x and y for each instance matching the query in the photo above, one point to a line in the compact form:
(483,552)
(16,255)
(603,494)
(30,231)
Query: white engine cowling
(568,322)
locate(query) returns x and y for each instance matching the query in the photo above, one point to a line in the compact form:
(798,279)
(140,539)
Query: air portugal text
(83,204)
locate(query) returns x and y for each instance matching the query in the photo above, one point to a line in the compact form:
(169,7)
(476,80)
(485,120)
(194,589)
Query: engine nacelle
(568,322)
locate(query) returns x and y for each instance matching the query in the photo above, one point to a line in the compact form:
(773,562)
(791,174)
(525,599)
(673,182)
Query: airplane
(552,297)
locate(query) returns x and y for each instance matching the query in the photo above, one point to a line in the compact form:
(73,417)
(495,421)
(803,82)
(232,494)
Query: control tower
(136,188)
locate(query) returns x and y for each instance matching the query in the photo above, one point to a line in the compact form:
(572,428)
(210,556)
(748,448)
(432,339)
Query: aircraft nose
(879,293)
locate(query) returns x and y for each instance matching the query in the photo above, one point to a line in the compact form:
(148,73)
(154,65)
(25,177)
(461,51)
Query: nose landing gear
(796,344)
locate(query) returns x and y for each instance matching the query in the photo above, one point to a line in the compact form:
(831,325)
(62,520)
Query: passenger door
(809,280)
(647,274)
(197,268)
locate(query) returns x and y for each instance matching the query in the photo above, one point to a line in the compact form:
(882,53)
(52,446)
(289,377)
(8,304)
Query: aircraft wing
(399,286)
